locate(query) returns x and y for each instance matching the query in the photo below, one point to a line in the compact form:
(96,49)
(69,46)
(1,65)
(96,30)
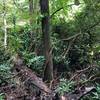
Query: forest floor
(28,86)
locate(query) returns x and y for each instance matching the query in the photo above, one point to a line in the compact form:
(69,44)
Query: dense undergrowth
(80,57)
(75,40)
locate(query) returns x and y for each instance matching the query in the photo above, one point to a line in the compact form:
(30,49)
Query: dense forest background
(49,49)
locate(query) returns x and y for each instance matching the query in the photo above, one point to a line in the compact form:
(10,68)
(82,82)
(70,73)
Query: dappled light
(49,49)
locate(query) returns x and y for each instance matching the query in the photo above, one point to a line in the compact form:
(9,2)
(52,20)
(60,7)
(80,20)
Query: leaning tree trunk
(48,71)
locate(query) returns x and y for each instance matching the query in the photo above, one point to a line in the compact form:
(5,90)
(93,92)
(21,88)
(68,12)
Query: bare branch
(61,9)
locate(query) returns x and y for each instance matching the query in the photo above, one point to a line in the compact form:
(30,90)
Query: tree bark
(5,32)
(33,9)
(31,14)
(48,71)
(5,24)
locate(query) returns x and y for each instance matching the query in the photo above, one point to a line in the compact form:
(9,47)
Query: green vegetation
(58,40)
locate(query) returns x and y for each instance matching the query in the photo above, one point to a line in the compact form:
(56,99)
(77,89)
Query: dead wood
(27,75)
(77,94)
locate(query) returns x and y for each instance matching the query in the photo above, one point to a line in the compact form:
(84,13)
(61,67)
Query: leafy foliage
(5,72)
(1,97)
(36,63)
(67,19)
(65,86)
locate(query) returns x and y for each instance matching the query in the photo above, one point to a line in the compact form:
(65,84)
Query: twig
(69,47)
(71,37)
(79,72)
(85,69)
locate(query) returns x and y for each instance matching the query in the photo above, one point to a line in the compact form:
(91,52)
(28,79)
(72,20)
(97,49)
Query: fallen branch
(68,49)
(28,76)
(80,72)
(78,94)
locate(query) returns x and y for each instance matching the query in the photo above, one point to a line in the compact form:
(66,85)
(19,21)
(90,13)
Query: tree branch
(61,9)
(86,30)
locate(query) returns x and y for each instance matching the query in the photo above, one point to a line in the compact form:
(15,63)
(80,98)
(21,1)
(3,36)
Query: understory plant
(65,86)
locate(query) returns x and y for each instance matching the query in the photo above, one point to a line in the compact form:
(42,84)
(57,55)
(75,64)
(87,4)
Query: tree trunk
(33,4)
(5,24)
(48,71)
(32,22)
(5,33)
(31,15)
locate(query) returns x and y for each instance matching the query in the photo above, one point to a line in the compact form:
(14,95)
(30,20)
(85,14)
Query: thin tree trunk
(48,71)
(33,21)
(5,24)
(5,33)
(31,15)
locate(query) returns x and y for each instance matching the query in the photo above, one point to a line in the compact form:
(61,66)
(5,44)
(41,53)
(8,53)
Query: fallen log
(27,74)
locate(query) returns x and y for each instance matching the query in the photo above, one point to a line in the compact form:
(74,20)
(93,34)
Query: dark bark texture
(31,11)
(48,71)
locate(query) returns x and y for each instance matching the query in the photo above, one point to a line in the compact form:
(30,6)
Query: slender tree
(33,4)
(31,14)
(48,71)
(32,22)
(5,24)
